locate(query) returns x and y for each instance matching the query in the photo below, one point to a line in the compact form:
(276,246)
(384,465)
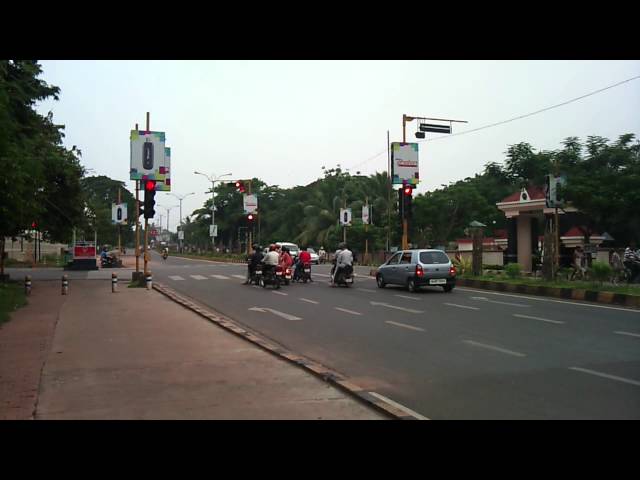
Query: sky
(282,121)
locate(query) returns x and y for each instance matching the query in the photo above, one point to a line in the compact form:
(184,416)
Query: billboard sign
(147,155)
(119,213)
(250,203)
(213,230)
(365,214)
(404,164)
(345,216)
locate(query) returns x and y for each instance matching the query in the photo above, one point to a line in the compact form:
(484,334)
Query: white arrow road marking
(405,325)
(461,306)
(242,277)
(347,311)
(538,318)
(606,375)
(198,277)
(485,299)
(408,298)
(275,312)
(627,333)
(221,277)
(397,308)
(309,301)
(401,407)
(175,277)
(497,349)
(280,293)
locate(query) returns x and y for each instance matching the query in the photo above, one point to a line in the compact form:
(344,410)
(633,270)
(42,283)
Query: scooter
(164,255)
(108,262)
(287,276)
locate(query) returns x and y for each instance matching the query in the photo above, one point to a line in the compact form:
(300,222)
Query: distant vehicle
(416,268)
(315,258)
(294,250)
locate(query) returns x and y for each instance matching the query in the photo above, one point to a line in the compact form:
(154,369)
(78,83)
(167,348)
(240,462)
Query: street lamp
(168,209)
(213,179)
(181,198)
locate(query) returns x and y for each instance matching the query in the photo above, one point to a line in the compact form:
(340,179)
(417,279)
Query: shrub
(513,270)
(493,267)
(600,271)
(463,266)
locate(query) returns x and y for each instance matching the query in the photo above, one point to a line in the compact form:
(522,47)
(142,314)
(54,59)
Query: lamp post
(213,179)
(168,209)
(181,198)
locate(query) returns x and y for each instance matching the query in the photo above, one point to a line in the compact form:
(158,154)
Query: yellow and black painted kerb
(315,368)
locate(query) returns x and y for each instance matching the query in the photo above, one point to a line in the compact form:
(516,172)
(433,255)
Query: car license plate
(307,270)
(258,272)
(279,274)
(438,281)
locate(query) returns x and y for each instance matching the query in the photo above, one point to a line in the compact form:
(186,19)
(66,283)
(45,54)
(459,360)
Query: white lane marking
(280,293)
(175,277)
(461,306)
(484,299)
(404,325)
(221,277)
(397,308)
(409,298)
(275,312)
(309,301)
(606,375)
(347,311)
(198,277)
(366,290)
(397,405)
(627,333)
(322,274)
(497,349)
(242,277)
(549,300)
(538,318)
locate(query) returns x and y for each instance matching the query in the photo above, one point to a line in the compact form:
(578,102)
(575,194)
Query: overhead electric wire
(511,119)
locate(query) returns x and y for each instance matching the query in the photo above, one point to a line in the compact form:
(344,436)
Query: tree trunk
(477,252)
(547,259)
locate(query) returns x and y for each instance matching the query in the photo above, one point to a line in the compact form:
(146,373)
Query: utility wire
(511,119)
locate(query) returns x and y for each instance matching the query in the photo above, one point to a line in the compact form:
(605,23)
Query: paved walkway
(136,354)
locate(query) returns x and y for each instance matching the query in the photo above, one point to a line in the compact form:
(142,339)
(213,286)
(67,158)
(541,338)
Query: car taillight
(419,271)
(452,271)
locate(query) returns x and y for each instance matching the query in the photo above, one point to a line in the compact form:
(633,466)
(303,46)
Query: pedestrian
(578,263)
(617,266)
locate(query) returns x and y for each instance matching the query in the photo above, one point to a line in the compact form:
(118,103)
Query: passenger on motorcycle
(253,261)
(285,260)
(270,260)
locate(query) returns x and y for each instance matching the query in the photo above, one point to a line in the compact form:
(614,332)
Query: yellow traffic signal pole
(146,227)
(137,226)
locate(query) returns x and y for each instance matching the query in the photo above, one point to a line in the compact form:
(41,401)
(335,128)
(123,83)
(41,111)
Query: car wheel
(380,281)
(447,288)
(411,285)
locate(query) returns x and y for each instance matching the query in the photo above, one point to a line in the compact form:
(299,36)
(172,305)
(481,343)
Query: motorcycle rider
(104,256)
(285,259)
(303,261)
(271,259)
(343,260)
(631,261)
(253,261)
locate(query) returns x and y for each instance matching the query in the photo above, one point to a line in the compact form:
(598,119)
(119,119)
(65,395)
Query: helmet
(342,245)
(255,246)
(272,247)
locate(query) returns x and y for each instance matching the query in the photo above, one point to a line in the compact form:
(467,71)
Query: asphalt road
(468,354)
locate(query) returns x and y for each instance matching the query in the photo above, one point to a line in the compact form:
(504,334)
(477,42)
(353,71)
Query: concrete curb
(557,292)
(326,374)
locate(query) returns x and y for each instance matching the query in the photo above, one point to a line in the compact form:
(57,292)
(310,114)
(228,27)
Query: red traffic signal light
(34,225)
(408,190)
(250,217)
(240,186)
(150,185)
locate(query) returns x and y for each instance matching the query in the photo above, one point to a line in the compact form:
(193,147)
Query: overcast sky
(282,121)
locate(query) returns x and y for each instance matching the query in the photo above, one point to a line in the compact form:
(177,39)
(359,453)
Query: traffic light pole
(146,228)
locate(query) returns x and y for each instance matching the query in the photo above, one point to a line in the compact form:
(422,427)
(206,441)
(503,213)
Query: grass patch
(577,284)
(12,297)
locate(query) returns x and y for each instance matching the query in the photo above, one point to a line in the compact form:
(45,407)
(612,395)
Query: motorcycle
(302,273)
(164,255)
(342,276)
(108,261)
(287,275)
(255,276)
(632,271)
(271,276)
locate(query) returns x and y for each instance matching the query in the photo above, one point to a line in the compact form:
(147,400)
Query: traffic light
(404,201)
(149,199)
(251,217)
(240,186)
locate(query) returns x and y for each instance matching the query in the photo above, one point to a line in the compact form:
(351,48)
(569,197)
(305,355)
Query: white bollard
(114,283)
(27,285)
(65,285)
(149,280)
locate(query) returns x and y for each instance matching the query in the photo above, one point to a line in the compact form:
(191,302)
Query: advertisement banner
(147,155)
(345,217)
(365,214)
(250,203)
(119,213)
(404,164)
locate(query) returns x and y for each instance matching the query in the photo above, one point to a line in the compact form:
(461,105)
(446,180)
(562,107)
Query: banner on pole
(404,164)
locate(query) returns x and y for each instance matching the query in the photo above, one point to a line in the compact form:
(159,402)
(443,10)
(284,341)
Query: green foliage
(601,271)
(12,296)
(463,266)
(513,270)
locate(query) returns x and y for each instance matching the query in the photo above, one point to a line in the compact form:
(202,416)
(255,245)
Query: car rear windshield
(433,257)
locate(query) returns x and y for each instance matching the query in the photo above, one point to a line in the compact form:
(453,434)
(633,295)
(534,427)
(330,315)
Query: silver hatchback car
(416,268)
